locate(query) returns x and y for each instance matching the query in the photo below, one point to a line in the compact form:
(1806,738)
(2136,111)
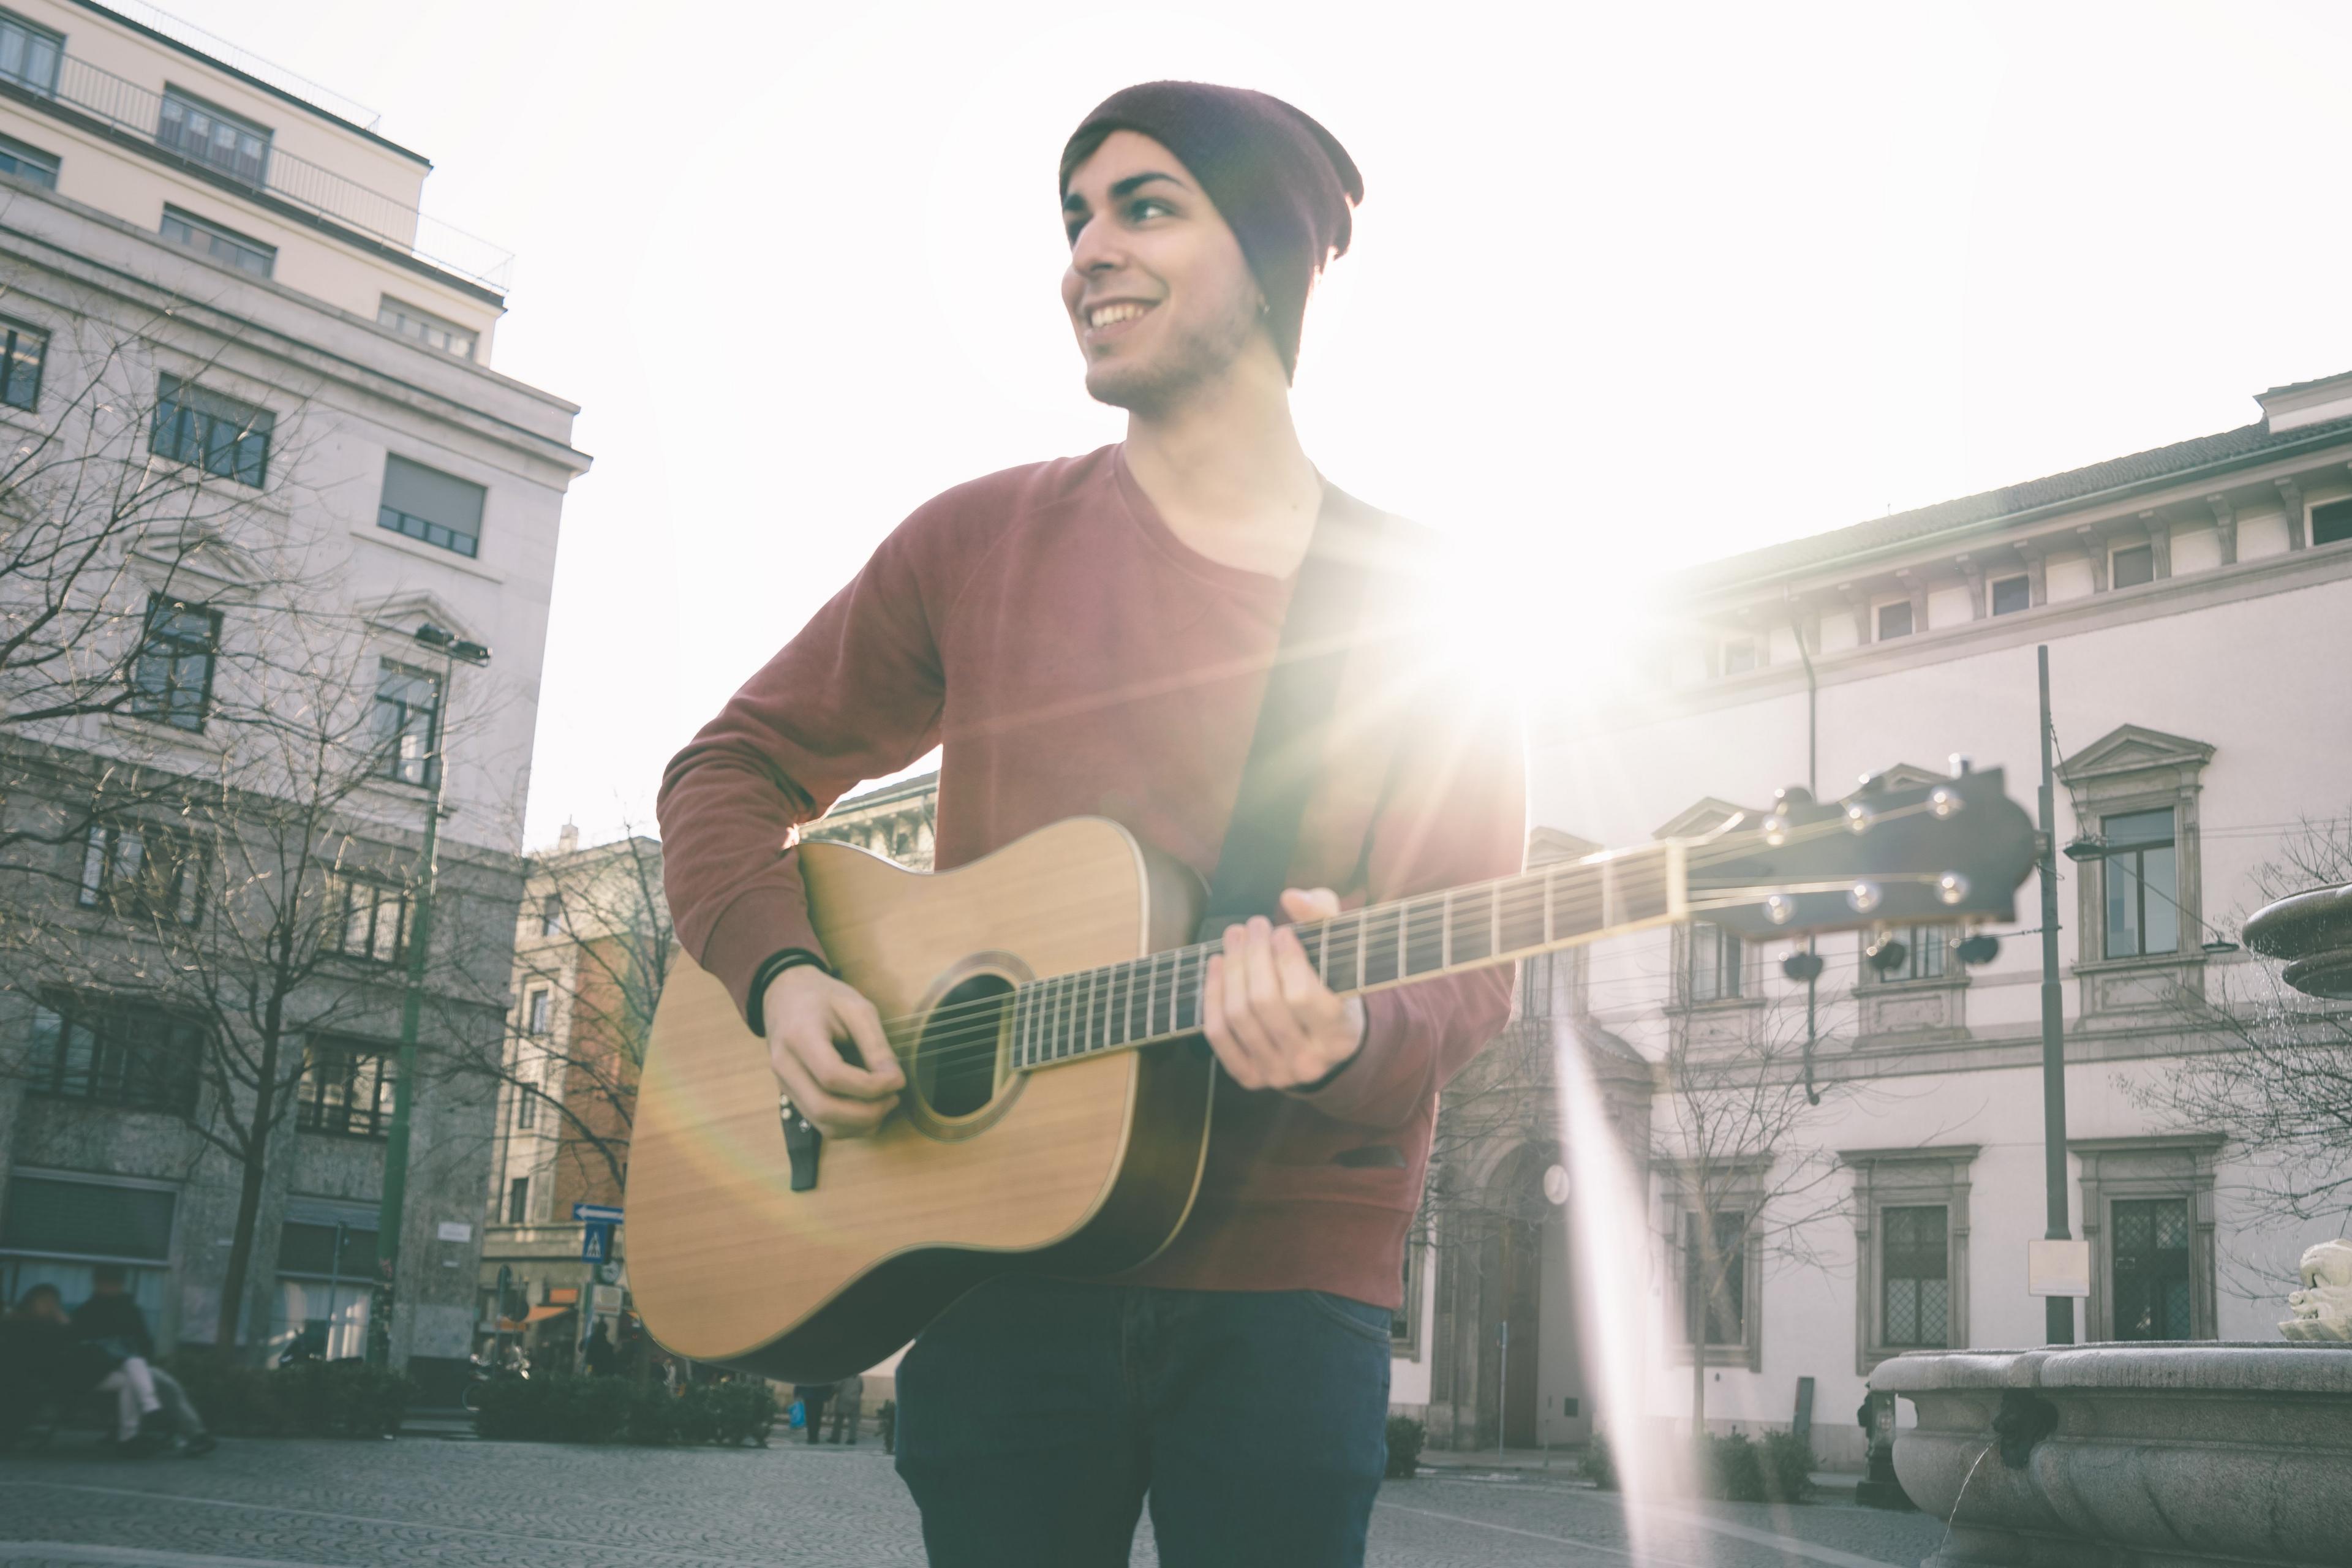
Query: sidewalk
(1558,1466)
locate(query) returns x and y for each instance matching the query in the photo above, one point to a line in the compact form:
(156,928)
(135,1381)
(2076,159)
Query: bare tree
(130,517)
(2280,1082)
(260,918)
(1746,1185)
(597,944)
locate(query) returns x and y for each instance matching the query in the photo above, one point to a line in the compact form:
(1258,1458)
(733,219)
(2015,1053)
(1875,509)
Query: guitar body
(1087,1167)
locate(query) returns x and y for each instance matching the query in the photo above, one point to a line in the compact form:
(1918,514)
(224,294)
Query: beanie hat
(1283,183)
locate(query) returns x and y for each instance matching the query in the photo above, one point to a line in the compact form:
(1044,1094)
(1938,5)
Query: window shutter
(435,497)
(88,1219)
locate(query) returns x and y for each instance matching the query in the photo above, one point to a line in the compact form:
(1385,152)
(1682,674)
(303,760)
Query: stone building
(592,943)
(2195,601)
(894,820)
(218,296)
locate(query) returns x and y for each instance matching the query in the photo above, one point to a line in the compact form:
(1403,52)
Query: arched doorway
(1529,1378)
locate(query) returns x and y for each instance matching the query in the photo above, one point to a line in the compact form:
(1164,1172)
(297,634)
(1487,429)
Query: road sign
(596,1242)
(605,1213)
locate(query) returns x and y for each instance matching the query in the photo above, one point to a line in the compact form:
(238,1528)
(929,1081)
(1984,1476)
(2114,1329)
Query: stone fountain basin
(2131,1456)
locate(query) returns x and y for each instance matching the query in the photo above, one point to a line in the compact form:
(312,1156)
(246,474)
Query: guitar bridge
(801,1143)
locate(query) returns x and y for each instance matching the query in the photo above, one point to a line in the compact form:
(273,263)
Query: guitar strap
(1293,718)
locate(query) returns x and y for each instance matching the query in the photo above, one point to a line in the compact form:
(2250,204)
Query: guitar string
(978,1030)
(982,1036)
(983,1017)
(988,1011)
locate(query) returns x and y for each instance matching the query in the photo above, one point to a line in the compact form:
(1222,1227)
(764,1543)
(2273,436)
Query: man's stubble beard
(1194,360)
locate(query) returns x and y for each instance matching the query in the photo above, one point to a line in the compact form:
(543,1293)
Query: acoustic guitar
(1044,1001)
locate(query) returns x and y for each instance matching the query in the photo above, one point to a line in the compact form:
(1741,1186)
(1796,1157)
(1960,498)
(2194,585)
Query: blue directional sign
(603,1212)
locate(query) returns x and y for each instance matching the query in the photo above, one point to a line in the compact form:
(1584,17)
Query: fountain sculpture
(2155,1456)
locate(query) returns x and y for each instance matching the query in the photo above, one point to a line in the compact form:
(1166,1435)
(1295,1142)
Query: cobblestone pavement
(353,1505)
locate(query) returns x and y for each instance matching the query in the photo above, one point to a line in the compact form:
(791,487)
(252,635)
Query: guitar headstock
(1931,854)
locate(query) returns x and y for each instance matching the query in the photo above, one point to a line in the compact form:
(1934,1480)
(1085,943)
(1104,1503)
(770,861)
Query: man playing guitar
(1092,636)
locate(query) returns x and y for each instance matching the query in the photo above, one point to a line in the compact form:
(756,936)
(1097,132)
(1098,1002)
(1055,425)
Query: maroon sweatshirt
(1072,657)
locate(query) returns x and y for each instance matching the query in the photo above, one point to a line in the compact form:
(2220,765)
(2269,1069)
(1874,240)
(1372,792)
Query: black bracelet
(775,963)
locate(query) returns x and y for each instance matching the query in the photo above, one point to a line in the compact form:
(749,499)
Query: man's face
(1158,293)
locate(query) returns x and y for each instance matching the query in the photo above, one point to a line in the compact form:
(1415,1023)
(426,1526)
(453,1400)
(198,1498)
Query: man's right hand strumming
(819,1031)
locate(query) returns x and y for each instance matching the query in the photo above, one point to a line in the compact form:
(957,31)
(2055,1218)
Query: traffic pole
(2059,1324)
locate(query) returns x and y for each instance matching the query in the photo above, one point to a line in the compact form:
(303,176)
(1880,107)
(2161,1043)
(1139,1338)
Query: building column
(2160,543)
(2225,525)
(2037,572)
(1858,598)
(1974,573)
(2094,547)
(2291,498)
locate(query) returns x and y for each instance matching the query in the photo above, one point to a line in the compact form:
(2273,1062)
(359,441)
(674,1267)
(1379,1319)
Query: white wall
(2259,677)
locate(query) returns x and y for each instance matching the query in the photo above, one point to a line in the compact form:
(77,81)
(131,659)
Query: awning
(540,1314)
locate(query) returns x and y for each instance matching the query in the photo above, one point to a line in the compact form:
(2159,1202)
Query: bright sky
(1632,286)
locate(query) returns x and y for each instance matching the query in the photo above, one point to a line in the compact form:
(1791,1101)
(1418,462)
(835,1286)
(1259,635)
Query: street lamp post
(454,650)
(2058,1310)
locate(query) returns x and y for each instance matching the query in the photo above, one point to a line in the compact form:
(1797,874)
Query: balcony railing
(138,111)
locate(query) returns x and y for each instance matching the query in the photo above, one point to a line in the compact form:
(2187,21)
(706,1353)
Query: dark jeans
(1036,1415)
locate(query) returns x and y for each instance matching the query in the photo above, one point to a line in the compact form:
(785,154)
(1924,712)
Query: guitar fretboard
(1157,997)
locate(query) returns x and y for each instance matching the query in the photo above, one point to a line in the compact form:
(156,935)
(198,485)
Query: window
(519,1201)
(116,1053)
(1925,950)
(2151,1269)
(28,162)
(408,723)
(218,433)
(535,1009)
(223,245)
(425,503)
(2332,522)
(526,1102)
(1715,1281)
(550,915)
(2129,567)
(57,1227)
(172,677)
(1740,655)
(2142,884)
(2010,594)
(2147,1209)
(425,328)
(29,55)
(1914,1276)
(1911,1249)
(194,129)
(367,919)
(1895,620)
(1713,974)
(143,871)
(1404,1337)
(346,1089)
(326,1273)
(22,349)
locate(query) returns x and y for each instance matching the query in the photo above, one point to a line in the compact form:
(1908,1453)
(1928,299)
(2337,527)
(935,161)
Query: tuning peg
(1791,797)
(1859,816)
(1874,784)
(1962,764)
(1951,888)
(1944,801)
(1778,908)
(1863,897)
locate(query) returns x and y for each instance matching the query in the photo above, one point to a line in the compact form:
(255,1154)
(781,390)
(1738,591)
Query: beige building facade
(238,261)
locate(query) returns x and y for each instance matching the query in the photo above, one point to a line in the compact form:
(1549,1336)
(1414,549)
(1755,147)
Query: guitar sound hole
(955,1060)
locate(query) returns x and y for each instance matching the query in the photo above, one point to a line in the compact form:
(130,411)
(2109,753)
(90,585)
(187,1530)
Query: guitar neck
(1157,997)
